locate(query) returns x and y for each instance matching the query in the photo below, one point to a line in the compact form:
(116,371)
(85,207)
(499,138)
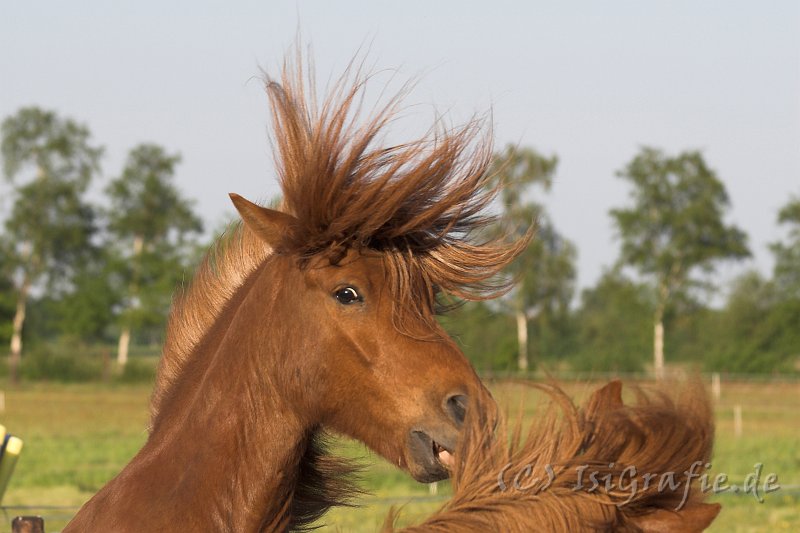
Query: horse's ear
(693,518)
(270,225)
(607,398)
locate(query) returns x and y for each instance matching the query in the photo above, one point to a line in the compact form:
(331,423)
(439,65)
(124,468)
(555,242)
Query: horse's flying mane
(499,486)
(421,204)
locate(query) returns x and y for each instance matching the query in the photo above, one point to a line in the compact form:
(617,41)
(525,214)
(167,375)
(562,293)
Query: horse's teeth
(446,458)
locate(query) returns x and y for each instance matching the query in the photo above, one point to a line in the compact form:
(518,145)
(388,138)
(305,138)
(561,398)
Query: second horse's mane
(512,482)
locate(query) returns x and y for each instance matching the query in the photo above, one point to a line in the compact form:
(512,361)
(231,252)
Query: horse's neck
(226,446)
(240,443)
(247,438)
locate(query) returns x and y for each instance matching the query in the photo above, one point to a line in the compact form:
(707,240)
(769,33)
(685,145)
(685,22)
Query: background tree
(613,321)
(85,312)
(787,255)
(674,228)
(761,320)
(50,162)
(740,343)
(151,223)
(545,271)
(486,334)
(545,289)
(6,293)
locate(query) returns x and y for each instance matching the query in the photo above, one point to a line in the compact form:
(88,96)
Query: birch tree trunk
(16,335)
(664,293)
(658,346)
(123,345)
(125,335)
(15,352)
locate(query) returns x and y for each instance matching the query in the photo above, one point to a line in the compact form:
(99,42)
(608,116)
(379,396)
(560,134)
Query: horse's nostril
(456,407)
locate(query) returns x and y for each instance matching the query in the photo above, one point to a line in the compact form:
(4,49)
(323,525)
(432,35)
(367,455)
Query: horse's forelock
(421,203)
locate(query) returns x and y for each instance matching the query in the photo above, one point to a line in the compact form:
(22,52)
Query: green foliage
(72,361)
(7,303)
(547,276)
(52,242)
(51,146)
(52,225)
(86,311)
(787,254)
(676,221)
(139,370)
(674,226)
(693,328)
(518,169)
(95,271)
(145,202)
(487,337)
(149,223)
(545,271)
(614,325)
(758,331)
(48,363)
(50,162)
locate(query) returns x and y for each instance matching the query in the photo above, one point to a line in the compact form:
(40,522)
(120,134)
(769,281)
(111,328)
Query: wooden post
(716,386)
(522,341)
(27,524)
(106,365)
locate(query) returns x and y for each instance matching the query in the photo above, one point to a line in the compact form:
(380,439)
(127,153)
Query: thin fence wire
(66,512)
(568,376)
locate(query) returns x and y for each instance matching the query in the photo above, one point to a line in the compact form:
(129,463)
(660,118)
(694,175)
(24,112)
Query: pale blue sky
(588,81)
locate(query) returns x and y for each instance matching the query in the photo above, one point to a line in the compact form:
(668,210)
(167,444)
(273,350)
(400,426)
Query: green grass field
(78,436)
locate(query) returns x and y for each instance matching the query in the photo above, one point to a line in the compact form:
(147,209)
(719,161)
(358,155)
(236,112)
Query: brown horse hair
(421,204)
(324,481)
(661,433)
(234,410)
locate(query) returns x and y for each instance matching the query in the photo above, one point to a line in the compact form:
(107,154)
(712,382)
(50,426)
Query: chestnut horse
(319,316)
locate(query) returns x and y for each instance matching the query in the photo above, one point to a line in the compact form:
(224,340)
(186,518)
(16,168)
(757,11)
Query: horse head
(403,391)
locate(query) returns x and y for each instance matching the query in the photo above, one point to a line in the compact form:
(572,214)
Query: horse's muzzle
(430,455)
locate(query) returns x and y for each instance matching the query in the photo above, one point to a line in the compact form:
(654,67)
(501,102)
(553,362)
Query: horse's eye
(347,296)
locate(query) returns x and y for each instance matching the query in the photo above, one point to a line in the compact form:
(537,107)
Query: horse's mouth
(443,455)
(430,459)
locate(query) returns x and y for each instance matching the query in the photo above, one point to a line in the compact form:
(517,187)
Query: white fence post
(716,386)
(737,420)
